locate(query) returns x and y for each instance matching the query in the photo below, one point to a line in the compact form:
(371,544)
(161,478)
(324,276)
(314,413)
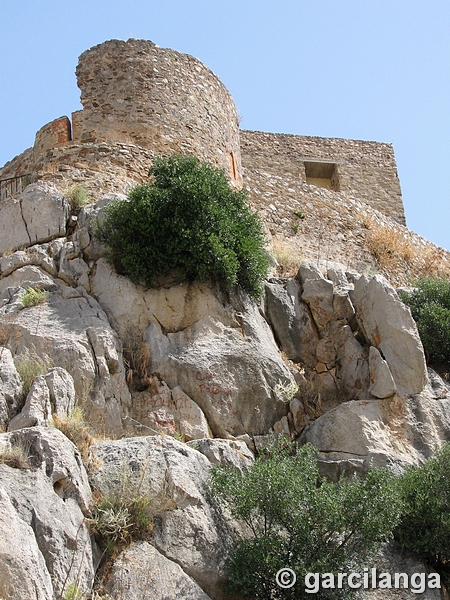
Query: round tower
(137,93)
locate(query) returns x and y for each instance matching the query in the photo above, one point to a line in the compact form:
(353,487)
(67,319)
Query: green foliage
(430,307)
(73,592)
(424,529)
(189,223)
(34,296)
(295,519)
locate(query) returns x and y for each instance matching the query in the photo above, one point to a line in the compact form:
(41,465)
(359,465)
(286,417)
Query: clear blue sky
(373,70)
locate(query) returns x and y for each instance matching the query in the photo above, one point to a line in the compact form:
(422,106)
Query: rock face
(51,394)
(143,572)
(388,325)
(10,387)
(40,214)
(45,542)
(188,530)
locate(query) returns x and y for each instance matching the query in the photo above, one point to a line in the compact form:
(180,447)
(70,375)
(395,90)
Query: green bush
(430,307)
(189,223)
(424,529)
(295,519)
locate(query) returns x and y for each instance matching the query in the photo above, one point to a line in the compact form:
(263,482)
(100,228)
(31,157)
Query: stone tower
(137,93)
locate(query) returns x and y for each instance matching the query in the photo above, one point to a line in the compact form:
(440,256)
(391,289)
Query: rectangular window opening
(322,174)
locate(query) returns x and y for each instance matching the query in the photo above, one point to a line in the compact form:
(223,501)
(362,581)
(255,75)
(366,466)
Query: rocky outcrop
(52,394)
(45,543)
(188,530)
(10,387)
(40,214)
(141,571)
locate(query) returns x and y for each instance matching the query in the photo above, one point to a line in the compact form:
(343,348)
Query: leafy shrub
(430,307)
(424,528)
(34,296)
(188,222)
(297,520)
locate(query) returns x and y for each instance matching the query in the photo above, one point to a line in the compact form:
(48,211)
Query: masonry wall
(52,135)
(364,170)
(137,93)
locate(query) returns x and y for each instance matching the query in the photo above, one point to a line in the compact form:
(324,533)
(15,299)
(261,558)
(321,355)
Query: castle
(140,100)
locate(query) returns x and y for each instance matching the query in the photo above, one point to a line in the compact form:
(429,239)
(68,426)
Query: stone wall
(52,135)
(137,93)
(366,170)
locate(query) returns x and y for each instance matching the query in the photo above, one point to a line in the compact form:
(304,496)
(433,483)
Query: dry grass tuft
(288,256)
(15,456)
(389,246)
(77,431)
(30,365)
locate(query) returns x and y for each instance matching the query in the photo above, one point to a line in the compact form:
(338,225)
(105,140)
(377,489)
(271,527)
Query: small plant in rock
(189,223)
(288,256)
(73,592)
(285,391)
(76,429)
(126,510)
(30,365)
(34,296)
(78,196)
(15,456)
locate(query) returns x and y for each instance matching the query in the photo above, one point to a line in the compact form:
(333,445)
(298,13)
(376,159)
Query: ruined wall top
(135,92)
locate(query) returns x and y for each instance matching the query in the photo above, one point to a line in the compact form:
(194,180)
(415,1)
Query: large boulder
(395,431)
(40,214)
(188,529)
(143,572)
(45,543)
(389,327)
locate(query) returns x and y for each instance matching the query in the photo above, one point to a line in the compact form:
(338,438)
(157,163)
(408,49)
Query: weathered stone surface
(51,394)
(353,366)
(382,384)
(229,371)
(143,572)
(10,387)
(132,307)
(291,321)
(40,214)
(74,332)
(48,502)
(23,572)
(28,276)
(389,326)
(161,410)
(187,530)
(318,294)
(395,431)
(225,452)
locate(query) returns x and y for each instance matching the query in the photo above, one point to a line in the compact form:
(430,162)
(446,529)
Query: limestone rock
(382,384)
(230,371)
(161,410)
(40,214)
(394,432)
(291,321)
(23,572)
(46,524)
(51,394)
(389,326)
(143,572)
(187,529)
(225,452)
(10,387)
(74,332)
(28,276)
